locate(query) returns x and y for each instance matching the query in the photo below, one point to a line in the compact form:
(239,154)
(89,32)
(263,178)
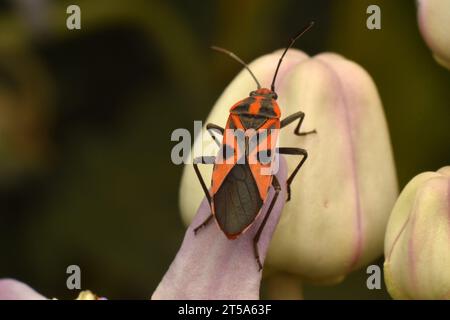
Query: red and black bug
(238,188)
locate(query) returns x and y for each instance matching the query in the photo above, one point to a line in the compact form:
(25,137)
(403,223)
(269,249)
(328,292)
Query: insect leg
(203,160)
(277,187)
(289,119)
(215,127)
(203,224)
(293,151)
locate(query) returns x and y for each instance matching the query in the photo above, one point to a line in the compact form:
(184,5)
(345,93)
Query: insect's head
(264,91)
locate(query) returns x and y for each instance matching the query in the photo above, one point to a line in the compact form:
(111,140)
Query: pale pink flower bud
(417,245)
(434,24)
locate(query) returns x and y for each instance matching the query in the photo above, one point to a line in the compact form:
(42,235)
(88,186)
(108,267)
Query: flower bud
(417,244)
(434,24)
(343,194)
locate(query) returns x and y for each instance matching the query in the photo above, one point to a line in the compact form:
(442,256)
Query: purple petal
(11,289)
(210,266)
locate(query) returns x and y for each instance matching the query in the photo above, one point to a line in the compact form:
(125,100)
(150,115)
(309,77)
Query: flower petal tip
(11,289)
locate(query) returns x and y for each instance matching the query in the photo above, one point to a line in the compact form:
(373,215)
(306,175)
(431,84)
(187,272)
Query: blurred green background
(86,118)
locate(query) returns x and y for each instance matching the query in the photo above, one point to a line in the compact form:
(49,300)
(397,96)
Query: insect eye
(274,96)
(264,156)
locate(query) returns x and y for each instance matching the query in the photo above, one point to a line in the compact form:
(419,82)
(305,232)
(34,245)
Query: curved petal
(11,289)
(417,245)
(210,266)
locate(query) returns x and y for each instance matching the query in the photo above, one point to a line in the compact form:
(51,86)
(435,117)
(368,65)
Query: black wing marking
(250,121)
(237,202)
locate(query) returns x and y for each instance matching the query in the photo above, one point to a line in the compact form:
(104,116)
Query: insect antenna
(291,43)
(235,57)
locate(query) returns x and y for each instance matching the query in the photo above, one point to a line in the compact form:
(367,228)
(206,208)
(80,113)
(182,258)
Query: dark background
(86,118)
